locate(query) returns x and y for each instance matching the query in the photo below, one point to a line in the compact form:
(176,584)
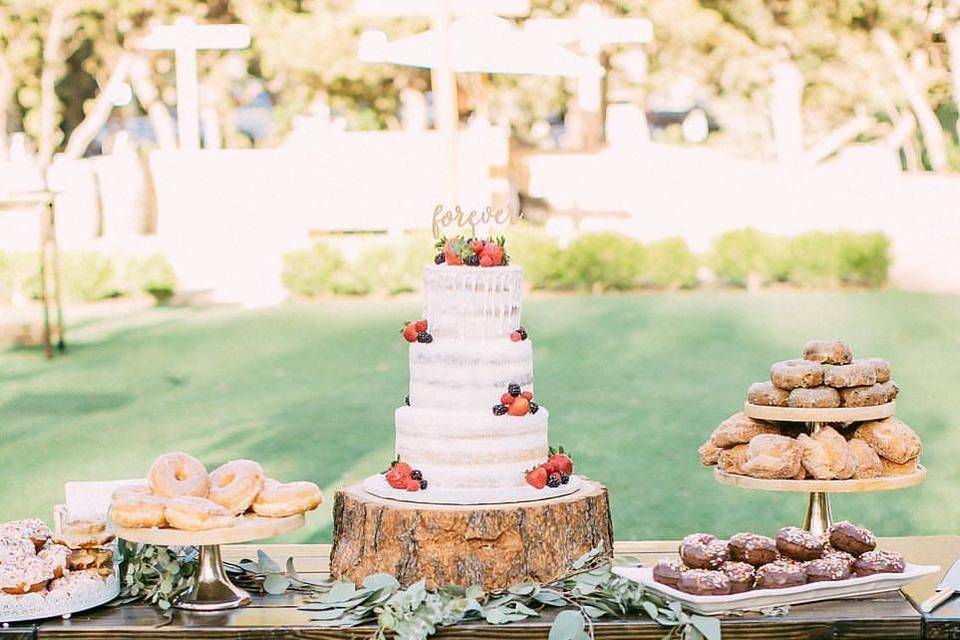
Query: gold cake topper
(444,217)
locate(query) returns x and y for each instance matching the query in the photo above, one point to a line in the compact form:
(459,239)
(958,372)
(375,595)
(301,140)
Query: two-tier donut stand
(819,517)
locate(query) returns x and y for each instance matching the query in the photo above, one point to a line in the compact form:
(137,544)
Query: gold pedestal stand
(819,514)
(213,590)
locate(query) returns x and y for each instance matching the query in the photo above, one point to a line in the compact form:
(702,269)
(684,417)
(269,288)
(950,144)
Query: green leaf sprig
(155,575)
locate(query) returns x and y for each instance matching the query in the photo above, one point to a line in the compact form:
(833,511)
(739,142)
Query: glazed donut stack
(180,494)
(748,561)
(34,560)
(827,377)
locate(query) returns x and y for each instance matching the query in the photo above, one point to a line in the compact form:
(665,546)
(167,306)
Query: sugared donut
(848,537)
(668,572)
(752,548)
(878,561)
(192,513)
(814,398)
(798,544)
(796,374)
(767,394)
(703,551)
(740,574)
(135,507)
(871,396)
(700,582)
(281,500)
(880,366)
(236,484)
(855,374)
(828,352)
(781,575)
(178,474)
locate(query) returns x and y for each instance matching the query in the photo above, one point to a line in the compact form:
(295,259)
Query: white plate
(766,598)
(35,606)
(377,485)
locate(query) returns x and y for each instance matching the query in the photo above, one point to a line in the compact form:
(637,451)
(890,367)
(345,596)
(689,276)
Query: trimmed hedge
(88,276)
(812,259)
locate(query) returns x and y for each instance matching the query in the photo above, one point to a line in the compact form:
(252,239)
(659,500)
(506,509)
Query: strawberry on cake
(470,431)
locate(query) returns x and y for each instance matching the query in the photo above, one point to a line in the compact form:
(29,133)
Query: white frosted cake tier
(468,376)
(469,449)
(472,303)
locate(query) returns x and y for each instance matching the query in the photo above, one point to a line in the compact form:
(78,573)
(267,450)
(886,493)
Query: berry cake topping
(519,334)
(416,331)
(554,472)
(402,476)
(472,252)
(515,402)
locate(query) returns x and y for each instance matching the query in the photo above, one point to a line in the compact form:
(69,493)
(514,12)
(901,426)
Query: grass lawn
(633,383)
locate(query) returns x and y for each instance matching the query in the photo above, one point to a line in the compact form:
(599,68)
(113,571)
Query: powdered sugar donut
(192,513)
(880,366)
(816,397)
(828,352)
(236,484)
(178,474)
(856,374)
(282,500)
(135,507)
(767,394)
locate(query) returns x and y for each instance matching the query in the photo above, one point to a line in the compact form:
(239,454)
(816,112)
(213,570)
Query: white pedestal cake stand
(212,590)
(819,517)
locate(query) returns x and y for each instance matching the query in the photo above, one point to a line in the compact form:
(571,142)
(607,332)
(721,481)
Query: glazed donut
(82,559)
(828,352)
(136,508)
(281,500)
(178,474)
(236,485)
(792,374)
(871,396)
(856,374)
(192,513)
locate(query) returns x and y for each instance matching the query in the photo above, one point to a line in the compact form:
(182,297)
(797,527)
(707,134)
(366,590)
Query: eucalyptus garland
(590,591)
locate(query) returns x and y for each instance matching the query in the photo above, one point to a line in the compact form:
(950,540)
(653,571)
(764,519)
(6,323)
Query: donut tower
(790,434)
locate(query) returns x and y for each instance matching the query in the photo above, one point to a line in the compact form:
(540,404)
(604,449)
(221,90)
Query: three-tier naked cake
(471,432)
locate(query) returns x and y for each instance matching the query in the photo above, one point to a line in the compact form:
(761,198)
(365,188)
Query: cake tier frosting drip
(463,449)
(472,303)
(467,376)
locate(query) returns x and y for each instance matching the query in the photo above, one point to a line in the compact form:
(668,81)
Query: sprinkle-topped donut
(828,569)
(848,537)
(752,548)
(668,571)
(798,544)
(700,582)
(740,574)
(703,551)
(781,575)
(879,561)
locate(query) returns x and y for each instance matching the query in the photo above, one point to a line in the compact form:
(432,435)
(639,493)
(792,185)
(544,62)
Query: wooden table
(889,615)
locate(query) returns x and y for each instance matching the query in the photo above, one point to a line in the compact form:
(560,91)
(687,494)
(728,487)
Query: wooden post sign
(444,218)
(185,38)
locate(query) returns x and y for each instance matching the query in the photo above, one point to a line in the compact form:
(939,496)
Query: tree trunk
(48,82)
(930,129)
(149,99)
(786,109)
(953,47)
(86,131)
(491,545)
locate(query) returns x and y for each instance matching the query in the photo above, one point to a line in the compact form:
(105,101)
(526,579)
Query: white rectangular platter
(767,598)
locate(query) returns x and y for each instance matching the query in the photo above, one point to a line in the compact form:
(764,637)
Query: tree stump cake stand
(819,516)
(495,545)
(212,590)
